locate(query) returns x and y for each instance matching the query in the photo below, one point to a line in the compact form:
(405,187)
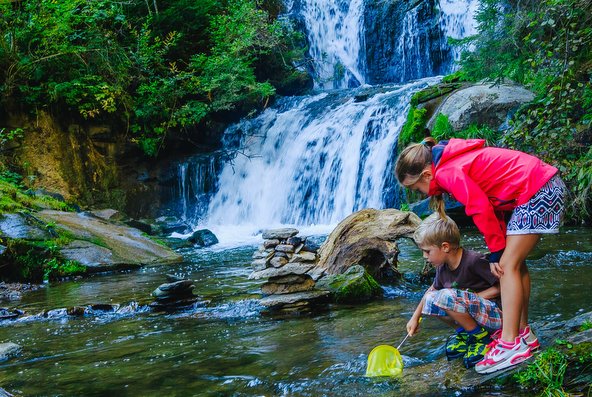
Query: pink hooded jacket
(488,181)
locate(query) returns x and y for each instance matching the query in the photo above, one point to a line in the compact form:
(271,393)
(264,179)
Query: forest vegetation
(157,67)
(161,68)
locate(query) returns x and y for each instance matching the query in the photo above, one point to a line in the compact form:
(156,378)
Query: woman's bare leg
(513,293)
(526,290)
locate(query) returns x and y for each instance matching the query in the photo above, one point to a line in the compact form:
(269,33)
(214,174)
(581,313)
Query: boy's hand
(496,269)
(412,326)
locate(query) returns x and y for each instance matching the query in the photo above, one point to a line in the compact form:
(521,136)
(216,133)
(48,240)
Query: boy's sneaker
(477,346)
(504,355)
(475,353)
(456,345)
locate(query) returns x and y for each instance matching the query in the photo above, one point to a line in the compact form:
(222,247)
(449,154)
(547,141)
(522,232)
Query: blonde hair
(411,163)
(435,230)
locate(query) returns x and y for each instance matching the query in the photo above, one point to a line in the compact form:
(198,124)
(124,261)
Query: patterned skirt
(543,213)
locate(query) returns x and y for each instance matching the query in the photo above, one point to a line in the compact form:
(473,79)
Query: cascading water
(316,159)
(334,34)
(457,20)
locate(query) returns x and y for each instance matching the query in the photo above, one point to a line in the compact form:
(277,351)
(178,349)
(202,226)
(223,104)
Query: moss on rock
(353,286)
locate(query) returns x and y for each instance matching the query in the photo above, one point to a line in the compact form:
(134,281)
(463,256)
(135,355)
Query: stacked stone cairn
(287,261)
(177,294)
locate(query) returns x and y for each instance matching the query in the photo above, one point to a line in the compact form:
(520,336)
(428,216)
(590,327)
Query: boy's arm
(413,323)
(491,292)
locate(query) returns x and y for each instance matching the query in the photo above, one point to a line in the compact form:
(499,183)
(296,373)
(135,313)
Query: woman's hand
(496,269)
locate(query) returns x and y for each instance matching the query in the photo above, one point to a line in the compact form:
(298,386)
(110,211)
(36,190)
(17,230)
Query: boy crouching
(464,294)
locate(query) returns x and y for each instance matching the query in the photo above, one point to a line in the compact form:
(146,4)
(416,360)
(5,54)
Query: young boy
(463,293)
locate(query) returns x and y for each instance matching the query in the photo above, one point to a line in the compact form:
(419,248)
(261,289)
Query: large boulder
(368,238)
(482,104)
(103,245)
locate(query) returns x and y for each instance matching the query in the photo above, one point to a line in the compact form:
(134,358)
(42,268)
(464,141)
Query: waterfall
(313,160)
(457,20)
(335,41)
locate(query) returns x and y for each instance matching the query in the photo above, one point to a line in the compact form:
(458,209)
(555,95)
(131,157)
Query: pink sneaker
(504,355)
(531,339)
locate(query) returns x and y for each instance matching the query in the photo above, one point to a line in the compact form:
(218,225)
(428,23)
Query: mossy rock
(433,92)
(353,286)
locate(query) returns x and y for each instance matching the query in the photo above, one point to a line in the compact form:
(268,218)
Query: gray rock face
(121,246)
(19,226)
(482,104)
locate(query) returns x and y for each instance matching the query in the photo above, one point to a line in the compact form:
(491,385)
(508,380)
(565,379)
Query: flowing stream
(226,346)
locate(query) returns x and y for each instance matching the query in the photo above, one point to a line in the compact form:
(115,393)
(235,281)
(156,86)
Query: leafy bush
(414,127)
(159,68)
(545,46)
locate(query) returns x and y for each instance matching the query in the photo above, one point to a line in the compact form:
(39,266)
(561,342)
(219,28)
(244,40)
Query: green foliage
(55,268)
(442,128)
(159,69)
(413,129)
(545,46)
(14,198)
(39,261)
(586,325)
(545,374)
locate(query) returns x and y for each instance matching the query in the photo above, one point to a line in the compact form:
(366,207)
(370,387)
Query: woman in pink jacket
(490,182)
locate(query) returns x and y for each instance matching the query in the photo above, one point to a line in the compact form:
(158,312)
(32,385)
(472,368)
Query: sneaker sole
(451,357)
(514,360)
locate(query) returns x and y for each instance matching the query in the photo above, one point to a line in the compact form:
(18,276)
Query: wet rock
(290,287)
(7,314)
(181,288)
(281,234)
(77,311)
(140,225)
(354,286)
(290,268)
(203,238)
(104,307)
(21,227)
(303,298)
(8,350)
(127,246)
(14,291)
(174,295)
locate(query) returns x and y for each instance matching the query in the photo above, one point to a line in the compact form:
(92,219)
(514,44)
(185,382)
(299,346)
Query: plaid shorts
(483,311)
(543,213)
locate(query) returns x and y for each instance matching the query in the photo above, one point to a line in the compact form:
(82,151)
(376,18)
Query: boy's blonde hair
(435,230)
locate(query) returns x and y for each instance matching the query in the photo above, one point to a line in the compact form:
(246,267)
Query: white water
(336,41)
(457,20)
(312,163)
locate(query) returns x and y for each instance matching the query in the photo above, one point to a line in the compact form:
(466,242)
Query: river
(227,345)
